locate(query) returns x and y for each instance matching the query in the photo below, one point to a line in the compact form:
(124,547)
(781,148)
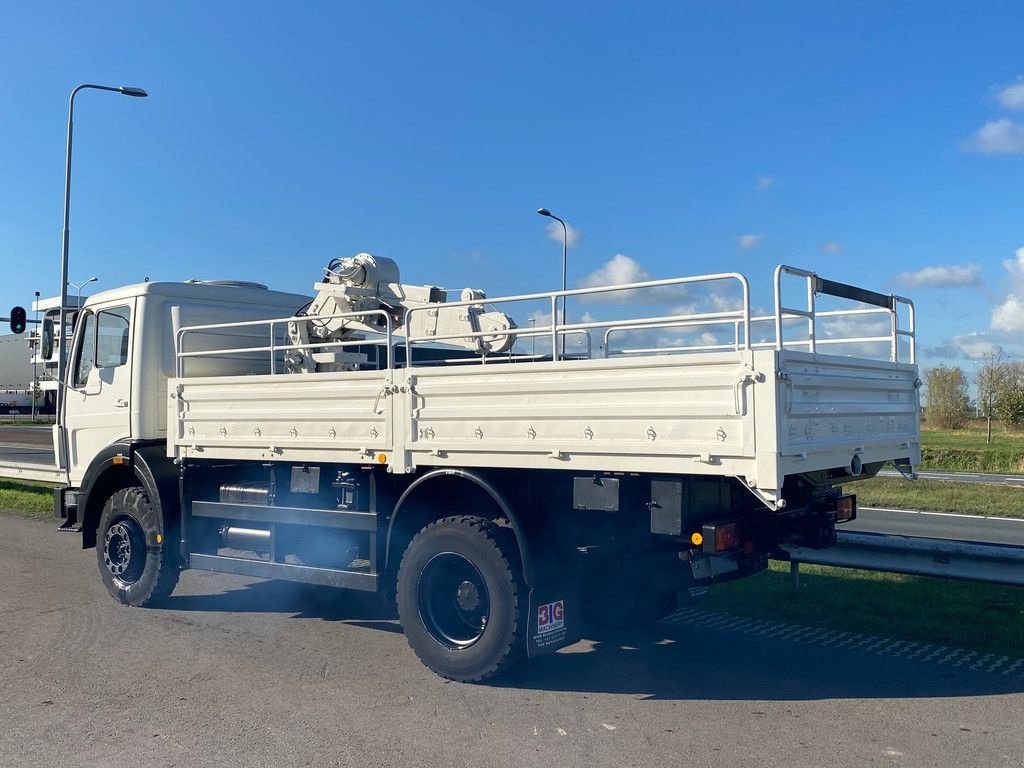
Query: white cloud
(1011,96)
(765,182)
(719,302)
(853,326)
(749,242)
(689,308)
(618,270)
(975,345)
(681,299)
(1009,315)
(572,235)
(830,246)
(961,276)
(997,137)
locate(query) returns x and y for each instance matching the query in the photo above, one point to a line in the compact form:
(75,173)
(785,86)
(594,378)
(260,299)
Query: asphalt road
(26,454)
(938,525)
(26,444)
(238,672)
(28,434)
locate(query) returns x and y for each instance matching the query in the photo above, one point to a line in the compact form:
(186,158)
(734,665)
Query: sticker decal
(554,620)
(550,617)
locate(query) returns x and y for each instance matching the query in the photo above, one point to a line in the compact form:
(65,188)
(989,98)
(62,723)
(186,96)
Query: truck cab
(122,356)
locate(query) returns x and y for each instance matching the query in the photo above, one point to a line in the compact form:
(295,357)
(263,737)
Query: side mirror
(46,347)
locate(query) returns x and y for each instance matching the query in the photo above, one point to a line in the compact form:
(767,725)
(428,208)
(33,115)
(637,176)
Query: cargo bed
(759,411)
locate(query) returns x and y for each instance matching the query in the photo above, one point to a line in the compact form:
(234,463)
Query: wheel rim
(453,600)
(124,550)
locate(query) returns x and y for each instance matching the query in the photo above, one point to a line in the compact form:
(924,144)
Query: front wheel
(135,563)
(461,598)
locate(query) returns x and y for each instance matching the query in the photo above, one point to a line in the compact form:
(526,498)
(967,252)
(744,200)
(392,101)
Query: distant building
(21,360)
(15,363)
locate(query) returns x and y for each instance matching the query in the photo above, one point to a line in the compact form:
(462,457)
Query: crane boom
(372,284)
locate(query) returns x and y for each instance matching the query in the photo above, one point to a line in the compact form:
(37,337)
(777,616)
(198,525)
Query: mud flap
(556,618)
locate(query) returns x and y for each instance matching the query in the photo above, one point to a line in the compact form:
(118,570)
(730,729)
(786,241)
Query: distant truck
(379,437)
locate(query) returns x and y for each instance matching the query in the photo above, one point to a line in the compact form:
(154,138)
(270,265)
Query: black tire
(462,599)
(136,563)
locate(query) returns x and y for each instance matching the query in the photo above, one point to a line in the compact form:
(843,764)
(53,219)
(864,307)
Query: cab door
(99,396)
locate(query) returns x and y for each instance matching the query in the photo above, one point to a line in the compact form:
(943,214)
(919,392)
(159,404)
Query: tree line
(999,384)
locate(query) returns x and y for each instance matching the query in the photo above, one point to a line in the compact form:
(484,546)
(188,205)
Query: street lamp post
(35,360)
(79,288)
(565,247)
(62,356)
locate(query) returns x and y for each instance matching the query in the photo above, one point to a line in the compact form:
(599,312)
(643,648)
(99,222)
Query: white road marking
(942,514)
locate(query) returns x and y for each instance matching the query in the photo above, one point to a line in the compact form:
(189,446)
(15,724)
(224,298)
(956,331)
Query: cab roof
(240,292)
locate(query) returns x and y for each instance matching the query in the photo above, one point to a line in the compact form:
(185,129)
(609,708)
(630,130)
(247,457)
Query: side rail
(239,342)
(558,330)
(882,307)
(736,343)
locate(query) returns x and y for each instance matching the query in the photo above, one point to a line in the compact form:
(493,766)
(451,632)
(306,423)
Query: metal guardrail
(963,560)
(41,473)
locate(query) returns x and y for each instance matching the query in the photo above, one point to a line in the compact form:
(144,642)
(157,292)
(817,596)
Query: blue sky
(877,143)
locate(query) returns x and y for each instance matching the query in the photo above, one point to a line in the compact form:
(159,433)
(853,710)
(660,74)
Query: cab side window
(112,338)
(103,344)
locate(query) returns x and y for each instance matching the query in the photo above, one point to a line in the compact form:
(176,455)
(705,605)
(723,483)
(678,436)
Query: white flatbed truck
(381,438)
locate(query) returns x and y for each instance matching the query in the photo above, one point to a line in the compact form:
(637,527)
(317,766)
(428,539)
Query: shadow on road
(304,601)
(699,664)
(661,662)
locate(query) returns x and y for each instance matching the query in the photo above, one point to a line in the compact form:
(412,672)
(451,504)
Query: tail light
(846,508)
(722,537)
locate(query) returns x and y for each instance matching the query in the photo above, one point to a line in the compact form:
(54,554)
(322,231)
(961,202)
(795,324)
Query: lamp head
(127,90)
(543,211)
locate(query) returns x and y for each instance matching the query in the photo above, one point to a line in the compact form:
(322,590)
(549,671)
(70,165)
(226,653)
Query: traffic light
(18,320)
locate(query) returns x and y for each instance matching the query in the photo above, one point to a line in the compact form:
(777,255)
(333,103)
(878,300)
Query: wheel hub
(468,596)
(124,551)
(454,604)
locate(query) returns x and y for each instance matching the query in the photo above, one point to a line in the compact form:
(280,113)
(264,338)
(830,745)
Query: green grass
(980,617)
(939,496)
(26,499)
(966,450)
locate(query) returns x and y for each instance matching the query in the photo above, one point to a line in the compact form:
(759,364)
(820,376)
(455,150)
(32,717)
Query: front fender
(123,464)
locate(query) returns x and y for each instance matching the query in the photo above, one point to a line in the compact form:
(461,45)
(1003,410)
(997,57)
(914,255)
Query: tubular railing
(274,347)
(557,329)
(740,320)
(883,305)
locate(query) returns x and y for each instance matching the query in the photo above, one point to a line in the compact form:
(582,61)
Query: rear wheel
(136,565)
(461,598)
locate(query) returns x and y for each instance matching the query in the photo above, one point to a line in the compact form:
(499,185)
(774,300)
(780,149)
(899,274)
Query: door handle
(121,403)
